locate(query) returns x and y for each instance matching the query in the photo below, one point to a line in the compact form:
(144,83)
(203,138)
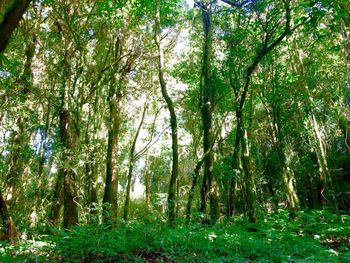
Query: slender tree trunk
(6,220)
(324,178)
(266,47)
(110,196)
(91,164)
(20,138)
(111,187)
(236,168)
(249,179)
(16,165)
(57,198)
(177,198)
(195,177)
(209,186)
(287,174)
(131,166)
(68,139)
(11,12)
(148,184)
(173,119)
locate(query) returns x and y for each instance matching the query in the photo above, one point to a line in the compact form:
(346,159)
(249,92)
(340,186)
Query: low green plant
(314,236)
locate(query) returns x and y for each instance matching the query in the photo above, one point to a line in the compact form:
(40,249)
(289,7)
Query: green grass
(315,236)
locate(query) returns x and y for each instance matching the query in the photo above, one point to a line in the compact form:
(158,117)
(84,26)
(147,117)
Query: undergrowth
(314,236)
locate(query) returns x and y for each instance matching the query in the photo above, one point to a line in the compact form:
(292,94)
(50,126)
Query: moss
(5,7)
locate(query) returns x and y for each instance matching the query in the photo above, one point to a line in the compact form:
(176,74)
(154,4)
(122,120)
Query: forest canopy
(211,117)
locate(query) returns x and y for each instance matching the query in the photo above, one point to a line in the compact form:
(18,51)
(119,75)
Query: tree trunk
(287,174)
(209,185)
(195,177)
(249,179)
(148,186)
(266,47)
(6,220)
(14,176)
(57,198)
(110,198)
(173,119)
(131,166)
(11,12)
(16,165)
(91,164)
(237,170)
(324,176)
(68,139)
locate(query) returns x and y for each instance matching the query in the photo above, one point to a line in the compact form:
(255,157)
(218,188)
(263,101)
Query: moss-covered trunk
(11,12)
(173,119)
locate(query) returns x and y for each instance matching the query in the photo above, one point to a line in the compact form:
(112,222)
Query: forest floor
(314,236)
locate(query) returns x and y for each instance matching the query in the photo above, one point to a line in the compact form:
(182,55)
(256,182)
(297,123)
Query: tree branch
(265,49)
(11,20)
(236,4)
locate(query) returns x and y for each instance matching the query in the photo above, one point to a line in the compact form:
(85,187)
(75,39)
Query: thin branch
(152,132)
(142,152)
(264,50)
(236,4)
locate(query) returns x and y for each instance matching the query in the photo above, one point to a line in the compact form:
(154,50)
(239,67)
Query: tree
(173,118)
(11,12)
(271,39)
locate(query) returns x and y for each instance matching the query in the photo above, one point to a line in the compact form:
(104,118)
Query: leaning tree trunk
(285,171)
(173,119)
(324,179)
(131,166)
(14,176)
(195,177)
(11,12)
(267,46)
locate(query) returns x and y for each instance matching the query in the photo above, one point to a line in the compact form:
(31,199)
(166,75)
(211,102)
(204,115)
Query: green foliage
(84,52)
(315,236)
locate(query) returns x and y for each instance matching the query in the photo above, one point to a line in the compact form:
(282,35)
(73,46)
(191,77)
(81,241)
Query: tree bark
(266,47)
(285,171)
(57,198)
(195,177)
(111,187)
(91,165)
(209,185)
(68,139)
(11,12)
(131,166)
(173,119)
(14,176)
(148,184)
(6,220)
(110,196)
(324,179)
